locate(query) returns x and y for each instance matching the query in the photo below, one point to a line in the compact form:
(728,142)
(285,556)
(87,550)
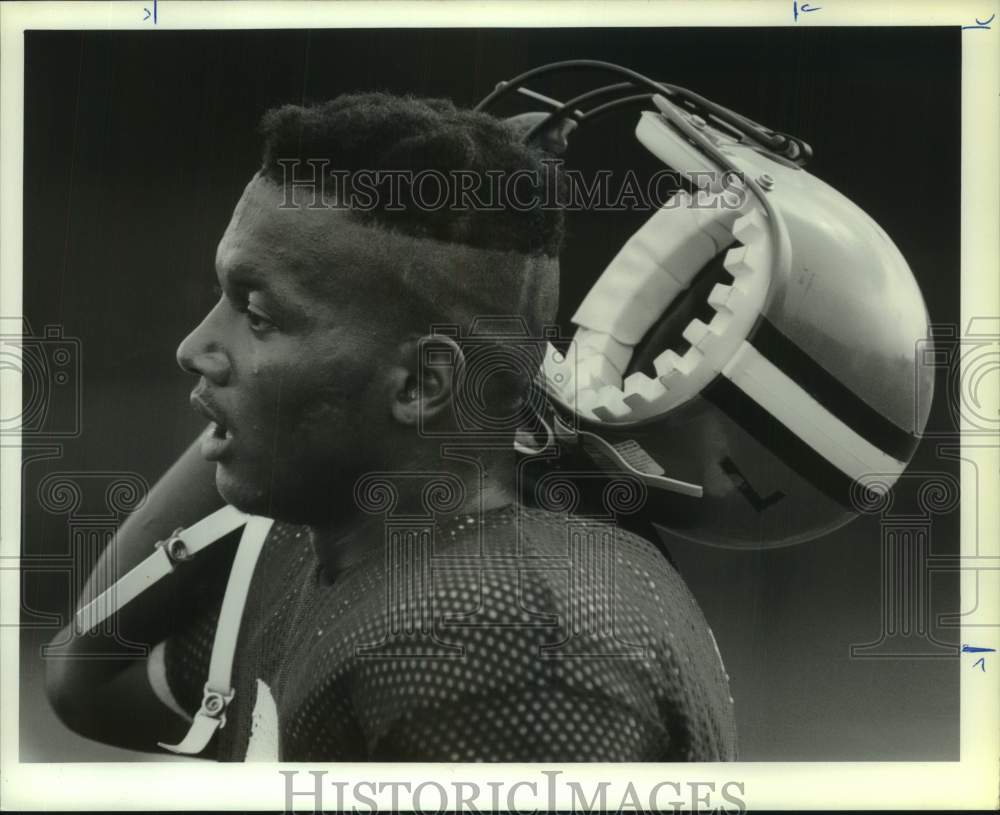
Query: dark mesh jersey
(520,636)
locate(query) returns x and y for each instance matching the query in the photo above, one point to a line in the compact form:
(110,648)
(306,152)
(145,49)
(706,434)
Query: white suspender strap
(183,544)
(218,689)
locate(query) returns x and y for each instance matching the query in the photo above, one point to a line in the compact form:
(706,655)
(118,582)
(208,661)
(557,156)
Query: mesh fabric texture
(523,635)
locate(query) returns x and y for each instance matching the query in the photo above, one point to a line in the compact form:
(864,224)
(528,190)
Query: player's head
(318,361)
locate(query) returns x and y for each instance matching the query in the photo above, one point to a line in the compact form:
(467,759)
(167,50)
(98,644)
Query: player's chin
(266,493)
(247,494)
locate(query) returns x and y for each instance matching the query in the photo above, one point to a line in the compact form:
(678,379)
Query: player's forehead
(278,240)
(326,255)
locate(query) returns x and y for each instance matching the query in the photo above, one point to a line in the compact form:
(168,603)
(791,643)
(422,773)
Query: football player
(318,367)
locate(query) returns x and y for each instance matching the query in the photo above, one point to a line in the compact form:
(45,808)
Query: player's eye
(240,301)
(259,322)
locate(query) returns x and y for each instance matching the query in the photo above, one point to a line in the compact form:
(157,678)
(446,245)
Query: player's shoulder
(561,549)
(647,643)
(485,606)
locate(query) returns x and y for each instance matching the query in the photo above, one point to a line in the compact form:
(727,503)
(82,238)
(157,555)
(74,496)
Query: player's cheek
(324,414)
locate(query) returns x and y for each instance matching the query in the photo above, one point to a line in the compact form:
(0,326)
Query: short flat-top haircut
(378,132)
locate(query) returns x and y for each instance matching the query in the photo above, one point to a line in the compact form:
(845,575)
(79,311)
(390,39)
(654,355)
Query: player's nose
(203,354)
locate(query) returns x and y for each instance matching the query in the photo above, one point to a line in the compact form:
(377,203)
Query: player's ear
(422,382)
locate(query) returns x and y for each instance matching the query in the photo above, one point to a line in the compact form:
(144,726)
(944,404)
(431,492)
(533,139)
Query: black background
(138,144)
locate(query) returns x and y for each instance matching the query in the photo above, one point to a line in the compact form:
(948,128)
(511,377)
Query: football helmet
(755,339)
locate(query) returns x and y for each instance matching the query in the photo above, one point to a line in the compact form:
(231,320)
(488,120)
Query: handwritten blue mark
(981,23)
(805,8)
(976,649)
(153,13)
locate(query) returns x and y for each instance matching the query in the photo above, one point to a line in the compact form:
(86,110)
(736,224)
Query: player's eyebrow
(244,275)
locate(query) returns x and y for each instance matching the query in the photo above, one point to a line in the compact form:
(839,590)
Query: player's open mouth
(217,437)
(215,441)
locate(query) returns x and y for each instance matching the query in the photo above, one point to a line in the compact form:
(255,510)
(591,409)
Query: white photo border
(972,782)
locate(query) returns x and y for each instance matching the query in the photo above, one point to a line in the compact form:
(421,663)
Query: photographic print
(605,407)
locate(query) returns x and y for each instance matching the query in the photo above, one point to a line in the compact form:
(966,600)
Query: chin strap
(626,456)
(182,545)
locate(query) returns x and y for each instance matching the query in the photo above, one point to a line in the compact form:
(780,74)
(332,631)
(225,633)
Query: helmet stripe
(782,442)
(831,393)
(790,404)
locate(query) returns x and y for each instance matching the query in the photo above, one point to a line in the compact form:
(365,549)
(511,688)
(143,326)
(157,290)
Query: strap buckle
(214,704)
(211,716)
(174,547)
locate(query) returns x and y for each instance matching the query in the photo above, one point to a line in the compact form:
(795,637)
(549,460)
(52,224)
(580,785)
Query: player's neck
(343,542)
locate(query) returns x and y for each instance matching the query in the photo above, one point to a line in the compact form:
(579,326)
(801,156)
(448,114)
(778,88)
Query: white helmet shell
(796,390)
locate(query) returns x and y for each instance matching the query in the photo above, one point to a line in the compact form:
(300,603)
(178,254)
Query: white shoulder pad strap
(183,544)
(218,691)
